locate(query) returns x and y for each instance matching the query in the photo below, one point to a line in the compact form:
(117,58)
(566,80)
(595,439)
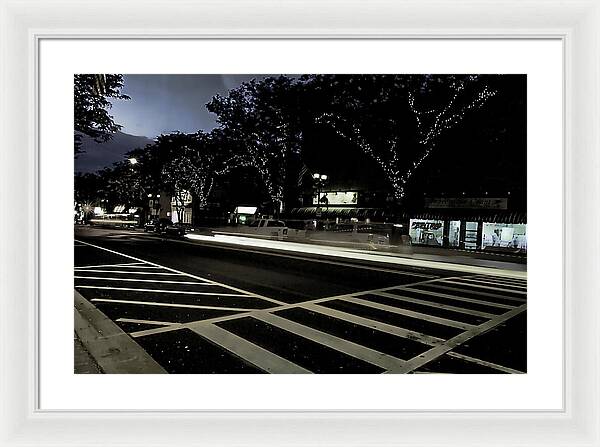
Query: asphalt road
(216,308)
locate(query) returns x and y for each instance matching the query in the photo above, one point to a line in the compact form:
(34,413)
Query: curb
(114,351)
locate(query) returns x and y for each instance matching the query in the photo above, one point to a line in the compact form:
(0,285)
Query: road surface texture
(197,307)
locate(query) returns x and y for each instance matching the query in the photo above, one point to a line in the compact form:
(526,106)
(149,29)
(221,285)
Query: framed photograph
(284,226)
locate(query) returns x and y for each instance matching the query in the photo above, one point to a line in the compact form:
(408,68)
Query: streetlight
(134,161)
(320,180)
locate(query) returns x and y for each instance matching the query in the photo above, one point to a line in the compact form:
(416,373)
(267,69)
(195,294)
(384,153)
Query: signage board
(496,203)
(337,198)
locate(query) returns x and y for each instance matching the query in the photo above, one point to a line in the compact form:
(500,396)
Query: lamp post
(138,189)
(320,180)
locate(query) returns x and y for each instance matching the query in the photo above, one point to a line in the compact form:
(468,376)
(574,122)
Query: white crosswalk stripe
(252,353)
(461,291)
(448,296)
(485,302)
(369,355)
(481,286)
(410,313)
(438,346)
(136,275)
(507,286)
(438,305)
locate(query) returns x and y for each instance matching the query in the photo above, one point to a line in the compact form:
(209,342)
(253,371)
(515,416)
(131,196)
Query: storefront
(504,235)
(454,233)
(492,232)
(181,207)
(426,232)
(243,215)
(471,236)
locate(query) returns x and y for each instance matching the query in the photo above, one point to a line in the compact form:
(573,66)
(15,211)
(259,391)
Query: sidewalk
(104,343)
(84,362)
(461,255)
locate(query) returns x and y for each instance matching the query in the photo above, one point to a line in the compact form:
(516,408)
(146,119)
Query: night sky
(159,104)
(166,103)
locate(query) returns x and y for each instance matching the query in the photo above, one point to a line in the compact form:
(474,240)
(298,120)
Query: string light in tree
(431,124)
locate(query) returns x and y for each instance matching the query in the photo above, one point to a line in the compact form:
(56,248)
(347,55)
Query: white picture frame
(24,24)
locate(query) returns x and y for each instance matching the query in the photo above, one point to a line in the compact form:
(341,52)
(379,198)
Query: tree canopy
(394,121)
(262,119)
(91,101)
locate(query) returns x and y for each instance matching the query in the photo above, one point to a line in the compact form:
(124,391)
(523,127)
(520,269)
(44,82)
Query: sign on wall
(337,198)
(496,203)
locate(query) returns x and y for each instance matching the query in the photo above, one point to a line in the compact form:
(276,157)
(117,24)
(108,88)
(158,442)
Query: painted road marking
(484,363)
(475,313)
(152,303)
(282,307)
(186,274)
(144,280)
(294,305)
(483,294)
(355,350)
(266,316)
(420,360)
(248,351)
(130,272)
(481,286)
(184,292)
(380,326)
(130,266)
(508,286)
(439,346)
(410,313)
(256,355)
(497,279)
(457,298)
(105,265)
(157,323)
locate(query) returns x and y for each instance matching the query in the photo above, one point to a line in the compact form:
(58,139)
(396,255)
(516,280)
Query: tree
(91,101)
(396,119)
(122,185)
(259,119)
(192,164)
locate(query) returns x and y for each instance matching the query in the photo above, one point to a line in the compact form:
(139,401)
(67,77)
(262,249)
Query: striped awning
(341,211)
(377,213)
(514,218)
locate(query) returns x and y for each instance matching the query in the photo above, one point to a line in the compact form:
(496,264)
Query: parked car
(164,226)
(151,226)
(268,227)
(174,230)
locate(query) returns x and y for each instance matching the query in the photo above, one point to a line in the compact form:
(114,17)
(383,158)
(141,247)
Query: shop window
(471,235)
(501,235)
(426,232)
(454,233)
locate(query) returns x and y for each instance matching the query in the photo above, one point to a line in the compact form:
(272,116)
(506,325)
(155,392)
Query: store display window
(426,232)
(504,235)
